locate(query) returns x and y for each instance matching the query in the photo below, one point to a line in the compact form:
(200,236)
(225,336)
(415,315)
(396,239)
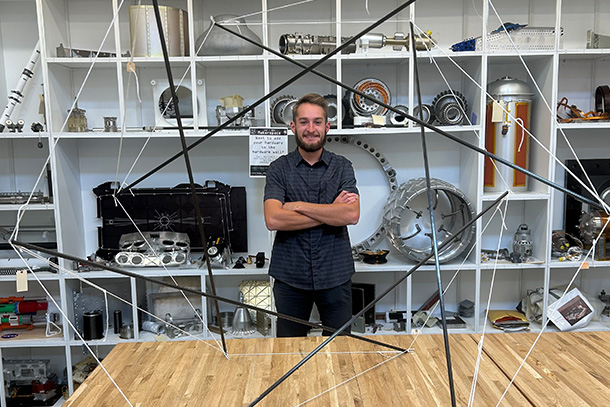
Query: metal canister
(506,134)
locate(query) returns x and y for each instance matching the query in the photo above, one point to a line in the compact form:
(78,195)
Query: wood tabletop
(564,369)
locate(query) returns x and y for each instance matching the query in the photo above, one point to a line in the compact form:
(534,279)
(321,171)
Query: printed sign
(266,144)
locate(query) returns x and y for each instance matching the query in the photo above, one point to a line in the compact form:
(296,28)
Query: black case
(223,209)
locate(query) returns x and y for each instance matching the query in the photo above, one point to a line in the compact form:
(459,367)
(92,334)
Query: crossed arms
(345,210)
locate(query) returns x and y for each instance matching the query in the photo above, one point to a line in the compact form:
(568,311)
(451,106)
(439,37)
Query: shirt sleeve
(275,183)
(348,183)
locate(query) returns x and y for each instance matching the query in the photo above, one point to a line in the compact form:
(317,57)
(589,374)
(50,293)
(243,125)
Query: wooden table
(564,369)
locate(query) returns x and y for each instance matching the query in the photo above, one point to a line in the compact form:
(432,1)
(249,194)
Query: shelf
(80,161)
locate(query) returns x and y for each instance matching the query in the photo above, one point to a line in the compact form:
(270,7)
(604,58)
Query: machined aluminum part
(224,114)
(450,107)
(407,221)
(216,41)
(306,44)
(398,41)
(333,109)
(427,113)
(151,249)
(591,225)
(278,108)
(398,119)
(390,174)
(374,88)
(522,241)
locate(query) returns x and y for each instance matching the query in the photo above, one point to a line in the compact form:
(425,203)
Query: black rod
(432,236)
(372,303)
(193,291)
(276,90)
(189,169)
(423,123)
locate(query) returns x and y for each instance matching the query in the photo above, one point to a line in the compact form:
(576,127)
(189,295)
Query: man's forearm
(335,214)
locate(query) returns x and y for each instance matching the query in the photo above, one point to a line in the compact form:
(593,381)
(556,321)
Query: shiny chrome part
(408,225)
(299,43)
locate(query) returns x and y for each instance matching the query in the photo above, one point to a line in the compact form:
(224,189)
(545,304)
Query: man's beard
(310,148)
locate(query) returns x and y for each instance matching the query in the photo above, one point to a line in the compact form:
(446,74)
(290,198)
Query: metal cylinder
(118,321)
(508,119)
(92,325)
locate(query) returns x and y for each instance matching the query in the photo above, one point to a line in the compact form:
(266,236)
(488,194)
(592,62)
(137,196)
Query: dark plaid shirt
(320,257)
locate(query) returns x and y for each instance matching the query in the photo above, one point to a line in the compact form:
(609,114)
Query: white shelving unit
(81,161)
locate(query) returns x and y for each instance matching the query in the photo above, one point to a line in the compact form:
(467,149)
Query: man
(310,197)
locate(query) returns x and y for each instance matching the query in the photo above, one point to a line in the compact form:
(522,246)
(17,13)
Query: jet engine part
(591,226)
(306,44)
(522,243)
(279,113)
(398,119)
(397,42)
(508,119)
(450,107)
(153,249)
(333,110)
(407,220)
(427,113)
(224,114)
(143,31)
(216,41)
(374,88)
(390,174)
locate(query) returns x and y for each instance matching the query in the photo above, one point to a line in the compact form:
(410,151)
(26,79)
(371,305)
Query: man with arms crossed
(310,198)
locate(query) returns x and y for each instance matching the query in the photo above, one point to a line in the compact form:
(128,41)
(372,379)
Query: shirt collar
(324,158)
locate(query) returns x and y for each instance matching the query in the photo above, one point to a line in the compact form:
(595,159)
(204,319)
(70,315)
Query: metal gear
(452,114)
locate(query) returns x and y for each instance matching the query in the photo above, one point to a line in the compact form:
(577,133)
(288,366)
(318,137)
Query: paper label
(22,280)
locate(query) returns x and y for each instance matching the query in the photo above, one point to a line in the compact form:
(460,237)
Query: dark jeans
(334,306)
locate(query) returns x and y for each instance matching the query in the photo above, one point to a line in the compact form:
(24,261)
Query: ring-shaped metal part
(455,114)
(407,221)
(332,108)
(390,174)
(427,113)
(277,108)
(374,88)
(397,119)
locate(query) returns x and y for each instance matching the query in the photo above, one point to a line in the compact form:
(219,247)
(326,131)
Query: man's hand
(346,197)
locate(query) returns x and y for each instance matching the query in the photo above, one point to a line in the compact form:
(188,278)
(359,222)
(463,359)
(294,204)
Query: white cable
(481,341)
(151,248)
(88,282)
(586,187)
(591,190)
(73,327)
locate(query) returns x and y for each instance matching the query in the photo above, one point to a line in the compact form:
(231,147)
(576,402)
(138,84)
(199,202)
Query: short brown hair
(314,99)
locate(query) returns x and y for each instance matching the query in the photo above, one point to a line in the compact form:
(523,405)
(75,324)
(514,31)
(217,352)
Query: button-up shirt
(320,257)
